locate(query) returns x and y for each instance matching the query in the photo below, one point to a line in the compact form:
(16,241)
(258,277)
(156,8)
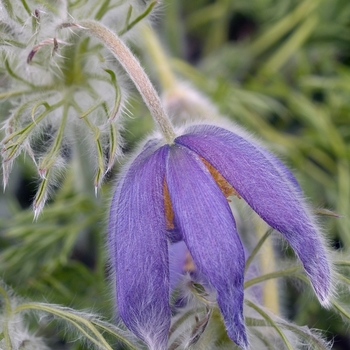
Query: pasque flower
(175,189)
(178,191)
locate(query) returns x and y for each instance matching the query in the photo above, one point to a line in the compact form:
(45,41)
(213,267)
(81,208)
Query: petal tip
(236,330)
(321,276)
(326,303)
(325,294)
(239,336)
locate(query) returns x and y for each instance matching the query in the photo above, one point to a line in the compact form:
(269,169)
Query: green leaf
(270,321)
(117,101)
(314,340)
(128,26)
(340,310)
(86,323)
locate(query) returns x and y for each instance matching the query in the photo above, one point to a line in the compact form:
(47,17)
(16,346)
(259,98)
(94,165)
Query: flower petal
(204,217)
(139,248)
(268,188)
(283,171)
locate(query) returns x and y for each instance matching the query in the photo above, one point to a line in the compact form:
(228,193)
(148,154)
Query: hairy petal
(139,248)
(204,217)
(146,151)
(283,171)
(270,190)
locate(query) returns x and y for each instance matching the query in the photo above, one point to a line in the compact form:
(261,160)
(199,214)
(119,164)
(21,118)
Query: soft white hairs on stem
(136,74)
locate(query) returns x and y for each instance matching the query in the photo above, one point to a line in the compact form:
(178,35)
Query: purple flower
(178,192)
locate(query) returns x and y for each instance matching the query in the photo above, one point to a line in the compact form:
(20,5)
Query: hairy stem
(135,72)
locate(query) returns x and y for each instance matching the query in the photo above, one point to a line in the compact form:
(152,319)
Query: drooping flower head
(178,191)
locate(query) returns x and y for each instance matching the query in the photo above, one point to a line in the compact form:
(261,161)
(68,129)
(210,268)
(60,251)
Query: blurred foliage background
(279,68)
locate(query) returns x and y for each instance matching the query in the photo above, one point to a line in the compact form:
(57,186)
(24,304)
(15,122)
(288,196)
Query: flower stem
(136,73)
(292,271)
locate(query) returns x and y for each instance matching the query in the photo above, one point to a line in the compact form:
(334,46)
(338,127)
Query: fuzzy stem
(136,73)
